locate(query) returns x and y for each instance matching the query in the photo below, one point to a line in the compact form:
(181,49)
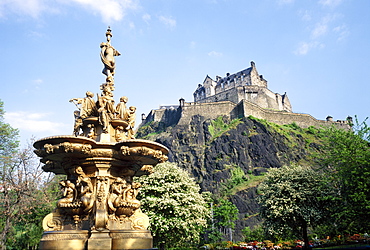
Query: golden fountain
(99,209)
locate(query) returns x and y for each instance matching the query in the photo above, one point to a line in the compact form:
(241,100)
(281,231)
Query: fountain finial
(107,54)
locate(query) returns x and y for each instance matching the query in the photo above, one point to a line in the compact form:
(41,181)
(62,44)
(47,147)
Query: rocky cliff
(229,157)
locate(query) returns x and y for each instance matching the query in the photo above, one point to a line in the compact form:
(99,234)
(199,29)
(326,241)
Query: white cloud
(192,44)
(168,21)
(342,32)
(330,3)
(131,25)
(146,18)
(31,8)
(322,28)
(305,15)
(32,122)
(285,1)
(305,47)
(215,54)
(109,10)
(319,30)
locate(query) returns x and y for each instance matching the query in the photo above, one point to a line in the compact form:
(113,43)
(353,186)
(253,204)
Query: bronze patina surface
(99,208)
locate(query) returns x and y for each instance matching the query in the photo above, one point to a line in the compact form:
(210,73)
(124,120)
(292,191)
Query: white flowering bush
(177,210)
(292,198)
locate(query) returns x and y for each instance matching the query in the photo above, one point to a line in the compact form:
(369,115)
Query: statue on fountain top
(101,120)
(107,54)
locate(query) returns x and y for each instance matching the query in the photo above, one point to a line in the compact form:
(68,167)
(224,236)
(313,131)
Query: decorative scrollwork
(52,223)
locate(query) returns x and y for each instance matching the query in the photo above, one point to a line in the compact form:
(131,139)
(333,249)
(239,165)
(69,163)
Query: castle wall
(208,110)
(245,109)
(183,115)
(168,116)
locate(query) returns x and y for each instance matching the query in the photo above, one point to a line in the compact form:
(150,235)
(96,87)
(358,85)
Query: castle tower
(243,85)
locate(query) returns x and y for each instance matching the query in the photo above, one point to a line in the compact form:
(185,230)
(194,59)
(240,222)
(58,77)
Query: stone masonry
(238,95)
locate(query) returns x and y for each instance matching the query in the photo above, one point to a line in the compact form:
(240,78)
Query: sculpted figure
(131,122)
(86,189)
(116,190)
(91,133)
(87,105)
(121,109)
(78,123)
(120,134)
(69,193)
(107,54)
(106,109)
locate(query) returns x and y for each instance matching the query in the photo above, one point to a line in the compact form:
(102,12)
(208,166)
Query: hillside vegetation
(230,157)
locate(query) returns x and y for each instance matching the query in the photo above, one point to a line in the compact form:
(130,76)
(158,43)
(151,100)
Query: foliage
(239,181)
(29,196)
(293,198)
(177,210)
(224,214)
(293,134)
(150,129)
(8,139)
(26,195)
(346,158)
(219,126)
(255,234)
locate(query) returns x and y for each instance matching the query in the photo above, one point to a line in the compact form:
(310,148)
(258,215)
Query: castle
(244,85)
(237,95)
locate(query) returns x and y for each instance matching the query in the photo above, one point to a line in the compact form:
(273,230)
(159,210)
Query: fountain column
(99,208)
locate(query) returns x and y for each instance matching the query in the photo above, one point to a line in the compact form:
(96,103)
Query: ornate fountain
(99,209)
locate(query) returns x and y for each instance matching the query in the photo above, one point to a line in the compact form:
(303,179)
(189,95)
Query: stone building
(243,85)
(238,95)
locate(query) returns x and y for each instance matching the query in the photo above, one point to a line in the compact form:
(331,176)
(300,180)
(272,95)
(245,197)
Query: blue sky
(315,50)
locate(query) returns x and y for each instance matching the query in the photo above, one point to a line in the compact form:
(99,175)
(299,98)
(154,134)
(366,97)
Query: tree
(177,210)
(28,196)
(24,195)
(8,147)
(224,215)
(292,199)
(346,158)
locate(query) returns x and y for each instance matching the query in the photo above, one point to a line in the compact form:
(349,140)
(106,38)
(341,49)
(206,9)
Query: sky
(317,51)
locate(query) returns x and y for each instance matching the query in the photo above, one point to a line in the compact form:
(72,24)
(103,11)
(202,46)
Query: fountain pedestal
(99,209)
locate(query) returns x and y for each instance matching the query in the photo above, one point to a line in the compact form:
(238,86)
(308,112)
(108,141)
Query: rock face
(211,157)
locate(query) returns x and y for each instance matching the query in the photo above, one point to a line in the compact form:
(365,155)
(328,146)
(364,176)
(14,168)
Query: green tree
(177,210)
(292,199)
(255,234)
(224,215)
(26,193)
(29,195)
(8,148)
(346,157)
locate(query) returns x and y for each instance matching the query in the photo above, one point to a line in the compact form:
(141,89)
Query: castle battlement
(243,85)
(237,95)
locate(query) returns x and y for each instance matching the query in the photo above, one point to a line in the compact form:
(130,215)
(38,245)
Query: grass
(218,126)
(293,134)
(352,246)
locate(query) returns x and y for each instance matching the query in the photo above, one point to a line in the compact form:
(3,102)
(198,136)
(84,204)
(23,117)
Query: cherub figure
(122,112)
(69,193)
(78,123)
(131,122)
(86,189)
(116,190)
